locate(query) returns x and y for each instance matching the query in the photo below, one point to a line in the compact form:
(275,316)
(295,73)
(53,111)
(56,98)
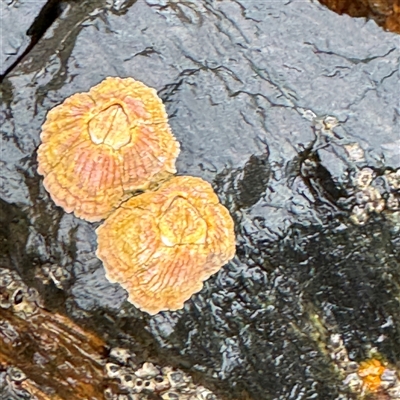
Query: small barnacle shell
(134,396)
(392,202)
(393,393)
(393,179)
(161,246)
(120,354)
(8,332)
(203,394)
(359,216)
(108,394)
(16,375)
(364,178)
(177,379)
(170,395)
(5,301)
(353,382)
(149,385)
(388,378)
(99,146)
(113,370)
(139,385)
(355,152)
(128,381)
(147,371)
(330,122)
(351,367)
(161,383)
(5,278)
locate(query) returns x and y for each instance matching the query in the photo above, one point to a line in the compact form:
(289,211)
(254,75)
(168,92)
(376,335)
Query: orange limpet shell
(98,147)
(161,246)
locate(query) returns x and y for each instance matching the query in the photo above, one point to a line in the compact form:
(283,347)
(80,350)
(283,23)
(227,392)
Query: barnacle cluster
(99,149)
(375,194)
(36,345)
(352,185)
(129,381)
(369,377)
(347,368)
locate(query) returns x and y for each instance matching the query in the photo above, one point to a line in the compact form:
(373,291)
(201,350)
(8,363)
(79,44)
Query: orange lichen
(99,146)
(161,246)
(370,371)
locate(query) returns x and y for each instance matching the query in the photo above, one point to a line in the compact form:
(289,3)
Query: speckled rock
(148,381)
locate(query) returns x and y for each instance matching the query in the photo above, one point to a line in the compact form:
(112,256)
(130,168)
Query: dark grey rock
(246,85)
(16,19)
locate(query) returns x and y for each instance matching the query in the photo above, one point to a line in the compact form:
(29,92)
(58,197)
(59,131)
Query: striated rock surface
(291,112)
(99,147)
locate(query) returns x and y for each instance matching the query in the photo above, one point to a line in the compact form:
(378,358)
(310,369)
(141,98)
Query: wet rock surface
(16,20)
(23,23)
(291,112)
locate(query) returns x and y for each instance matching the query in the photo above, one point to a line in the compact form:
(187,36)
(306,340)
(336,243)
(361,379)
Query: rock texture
(281,106)
(16,19)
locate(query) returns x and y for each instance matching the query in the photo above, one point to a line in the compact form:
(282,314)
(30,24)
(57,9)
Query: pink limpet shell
(99,147)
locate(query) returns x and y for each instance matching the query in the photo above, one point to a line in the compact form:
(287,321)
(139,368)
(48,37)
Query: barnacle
(151,381)
(100,146)
(161,246)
